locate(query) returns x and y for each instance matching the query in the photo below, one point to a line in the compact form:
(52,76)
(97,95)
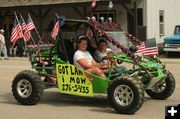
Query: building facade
(146,19)
(161,18)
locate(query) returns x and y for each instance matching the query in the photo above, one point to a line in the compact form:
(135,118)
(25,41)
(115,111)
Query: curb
(174,60)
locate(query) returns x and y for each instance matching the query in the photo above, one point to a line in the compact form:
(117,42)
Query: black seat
(90,48)
(70,50)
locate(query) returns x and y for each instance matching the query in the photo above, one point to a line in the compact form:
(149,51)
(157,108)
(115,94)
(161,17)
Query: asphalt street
(57,106)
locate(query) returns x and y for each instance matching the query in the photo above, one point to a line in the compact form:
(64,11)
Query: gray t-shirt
(98,56)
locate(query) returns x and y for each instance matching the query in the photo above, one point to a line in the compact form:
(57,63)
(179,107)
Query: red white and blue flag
(55,30)
(147,48)
(23,26)
(17,32)
(29,27)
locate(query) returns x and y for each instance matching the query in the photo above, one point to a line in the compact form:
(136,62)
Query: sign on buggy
(72,80)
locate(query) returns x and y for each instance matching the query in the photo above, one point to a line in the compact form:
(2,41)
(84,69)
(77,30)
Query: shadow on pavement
(171,55)
(7,98)
(98,103)
(58,99)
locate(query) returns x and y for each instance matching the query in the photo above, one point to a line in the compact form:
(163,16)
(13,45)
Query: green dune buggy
(53,67)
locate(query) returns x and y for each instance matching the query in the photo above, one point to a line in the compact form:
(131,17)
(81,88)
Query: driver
(83,59)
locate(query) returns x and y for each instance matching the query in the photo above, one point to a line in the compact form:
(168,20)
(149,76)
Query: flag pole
(110,6)
(35,27)
(62,41)
(93,5)
(13,45)
(32,40)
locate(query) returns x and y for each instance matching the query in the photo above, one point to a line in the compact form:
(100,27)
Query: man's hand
(104,66)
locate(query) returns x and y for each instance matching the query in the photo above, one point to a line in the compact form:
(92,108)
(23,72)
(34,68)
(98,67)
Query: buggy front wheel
(27,87)
(125,94)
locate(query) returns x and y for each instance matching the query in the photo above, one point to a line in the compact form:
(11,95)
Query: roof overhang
(45,3)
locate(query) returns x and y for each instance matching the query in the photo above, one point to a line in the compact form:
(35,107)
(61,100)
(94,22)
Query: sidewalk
(172,59)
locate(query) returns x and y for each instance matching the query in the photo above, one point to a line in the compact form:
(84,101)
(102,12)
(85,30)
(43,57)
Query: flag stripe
(16,31)
(29,27)
(55,30)
(148,51)
(23,25)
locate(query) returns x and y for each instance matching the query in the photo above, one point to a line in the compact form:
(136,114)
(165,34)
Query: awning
(24,3)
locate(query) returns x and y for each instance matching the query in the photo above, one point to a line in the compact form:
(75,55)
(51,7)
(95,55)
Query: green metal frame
(100,85)
(154,68)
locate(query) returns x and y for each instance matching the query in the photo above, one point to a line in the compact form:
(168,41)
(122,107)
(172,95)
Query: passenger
(83,59)
(103,52)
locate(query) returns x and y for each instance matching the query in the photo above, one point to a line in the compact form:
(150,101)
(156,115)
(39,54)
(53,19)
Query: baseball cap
(2,30)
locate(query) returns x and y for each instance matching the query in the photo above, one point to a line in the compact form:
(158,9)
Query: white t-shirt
(82,55)
(2,40)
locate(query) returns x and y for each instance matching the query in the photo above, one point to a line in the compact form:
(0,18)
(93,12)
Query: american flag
(29,27)
(17,32)
(147,48)
(23,26)
(55,30)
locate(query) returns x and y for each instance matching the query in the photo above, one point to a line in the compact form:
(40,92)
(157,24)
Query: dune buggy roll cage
(98,31)
(61,40)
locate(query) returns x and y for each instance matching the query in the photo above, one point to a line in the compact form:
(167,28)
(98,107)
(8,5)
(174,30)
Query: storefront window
(161,23)
(105,14)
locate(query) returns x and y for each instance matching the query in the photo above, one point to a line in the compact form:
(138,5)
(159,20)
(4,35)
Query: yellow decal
(72,80)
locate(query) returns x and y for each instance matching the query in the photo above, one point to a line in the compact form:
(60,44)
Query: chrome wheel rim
(123,95)
(24,88)
(160,87)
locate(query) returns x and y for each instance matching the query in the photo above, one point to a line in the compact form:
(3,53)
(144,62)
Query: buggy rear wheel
(27,87)
(125,94)
(164,90)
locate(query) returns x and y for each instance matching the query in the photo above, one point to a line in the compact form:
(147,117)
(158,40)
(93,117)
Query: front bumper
(171,47)
(174,49)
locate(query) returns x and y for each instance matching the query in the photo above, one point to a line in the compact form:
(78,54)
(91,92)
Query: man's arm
(1,42)
(1,38)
